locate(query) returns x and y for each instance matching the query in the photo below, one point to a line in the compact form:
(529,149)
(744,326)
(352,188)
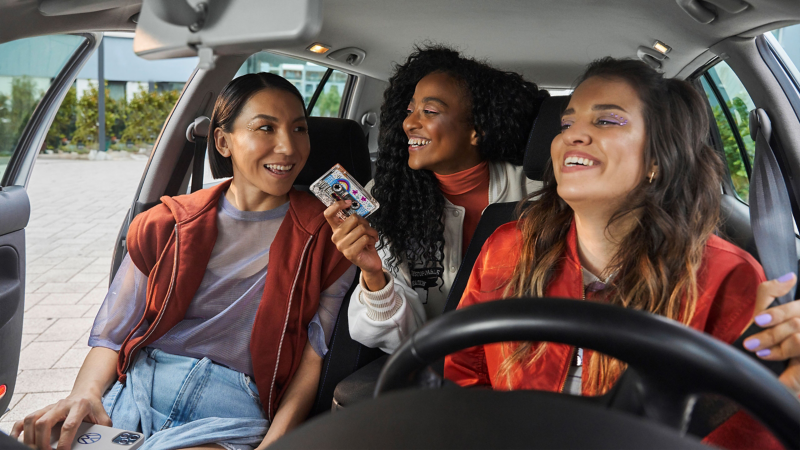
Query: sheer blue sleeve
(122,308)
(321,326)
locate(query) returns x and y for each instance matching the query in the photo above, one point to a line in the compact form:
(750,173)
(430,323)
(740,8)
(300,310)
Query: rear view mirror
(181,28)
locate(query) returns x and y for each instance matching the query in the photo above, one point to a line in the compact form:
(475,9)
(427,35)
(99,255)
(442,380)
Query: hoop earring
(652,174)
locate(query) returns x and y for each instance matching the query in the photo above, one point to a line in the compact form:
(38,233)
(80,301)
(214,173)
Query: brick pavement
(77,207)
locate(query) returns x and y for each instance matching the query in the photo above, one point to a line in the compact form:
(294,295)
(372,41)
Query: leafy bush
(64,125)
(16,110)
(86,123)
(146,114)
(76,121)
(741,183)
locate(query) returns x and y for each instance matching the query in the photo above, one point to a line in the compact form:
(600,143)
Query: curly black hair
(503,106)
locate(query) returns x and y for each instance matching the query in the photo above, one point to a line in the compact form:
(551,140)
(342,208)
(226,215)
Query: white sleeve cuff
(383,304)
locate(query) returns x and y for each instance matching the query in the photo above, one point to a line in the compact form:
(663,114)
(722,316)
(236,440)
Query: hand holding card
(336,184)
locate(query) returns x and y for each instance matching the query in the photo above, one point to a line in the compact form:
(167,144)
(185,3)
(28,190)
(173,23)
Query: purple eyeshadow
(622,120)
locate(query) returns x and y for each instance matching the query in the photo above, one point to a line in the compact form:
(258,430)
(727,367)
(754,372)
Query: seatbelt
(773,232)
(197,132)
(770,220)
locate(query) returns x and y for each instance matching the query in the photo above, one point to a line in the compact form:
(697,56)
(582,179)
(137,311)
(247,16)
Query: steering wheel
(674,364)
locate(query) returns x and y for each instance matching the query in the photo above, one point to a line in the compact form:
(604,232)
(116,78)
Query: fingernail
(763,353)
(751,344)
(763,319)
(786,277)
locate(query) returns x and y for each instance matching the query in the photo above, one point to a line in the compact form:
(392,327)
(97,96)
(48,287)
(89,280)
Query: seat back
(333,141)
(537,157)
(339,141)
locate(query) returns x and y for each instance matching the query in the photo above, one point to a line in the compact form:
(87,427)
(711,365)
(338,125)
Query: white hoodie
(384,318)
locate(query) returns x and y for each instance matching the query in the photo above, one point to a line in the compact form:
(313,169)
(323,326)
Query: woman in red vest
(627,216)
(209,345)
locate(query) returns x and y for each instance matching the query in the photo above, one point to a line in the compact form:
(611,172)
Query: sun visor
(181,28)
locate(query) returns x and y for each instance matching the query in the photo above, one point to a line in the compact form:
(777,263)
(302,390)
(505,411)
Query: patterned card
(336,184)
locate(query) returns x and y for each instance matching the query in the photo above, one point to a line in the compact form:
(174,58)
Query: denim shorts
(178,402)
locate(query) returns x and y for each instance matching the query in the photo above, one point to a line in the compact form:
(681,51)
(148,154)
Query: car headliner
(549,41)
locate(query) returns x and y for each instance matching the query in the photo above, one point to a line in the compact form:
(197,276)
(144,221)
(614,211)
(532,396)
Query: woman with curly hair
(627,216)
(452,135)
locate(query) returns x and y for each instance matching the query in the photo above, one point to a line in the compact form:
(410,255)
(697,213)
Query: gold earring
(652,174)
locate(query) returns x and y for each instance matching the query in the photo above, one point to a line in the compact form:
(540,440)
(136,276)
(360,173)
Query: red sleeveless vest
(172,243)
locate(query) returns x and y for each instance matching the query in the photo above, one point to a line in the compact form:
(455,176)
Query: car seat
(340,141)
(357,385)
(335,140)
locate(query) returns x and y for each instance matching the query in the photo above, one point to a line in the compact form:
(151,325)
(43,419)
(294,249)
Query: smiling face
(441,135)
(268,143)
(598,158)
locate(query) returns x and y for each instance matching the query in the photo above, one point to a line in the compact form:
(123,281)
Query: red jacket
(172,243)
(727,283)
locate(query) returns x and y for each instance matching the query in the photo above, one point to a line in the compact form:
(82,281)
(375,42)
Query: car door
(35,75)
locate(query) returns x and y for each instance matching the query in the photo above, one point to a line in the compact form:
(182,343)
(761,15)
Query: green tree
(6,146)
(146,114)
(16,110)
(86,123)
(64,124)
(741,183)
(23,101)
(329,102)
(120,110)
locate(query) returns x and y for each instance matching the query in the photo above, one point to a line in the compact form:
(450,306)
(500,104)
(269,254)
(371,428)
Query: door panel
(35,75)
(15,212)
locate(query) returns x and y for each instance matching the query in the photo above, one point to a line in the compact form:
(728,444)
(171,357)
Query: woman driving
(211,345)
(453,133)
(627,215)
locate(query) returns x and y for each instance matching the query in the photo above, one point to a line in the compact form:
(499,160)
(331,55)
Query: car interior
(549,43)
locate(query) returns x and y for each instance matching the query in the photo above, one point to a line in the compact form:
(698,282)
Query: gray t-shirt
(220,318)
(575,372)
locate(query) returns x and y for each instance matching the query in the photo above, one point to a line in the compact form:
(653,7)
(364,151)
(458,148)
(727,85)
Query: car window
(27,69)
(731,105)
(789,40)
(139,96)
(306,76)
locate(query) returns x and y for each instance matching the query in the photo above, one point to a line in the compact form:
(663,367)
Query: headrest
(334,141)
(546,127)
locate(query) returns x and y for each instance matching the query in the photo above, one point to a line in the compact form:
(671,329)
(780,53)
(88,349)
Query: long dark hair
(658,261)
(228,106)
(503,106)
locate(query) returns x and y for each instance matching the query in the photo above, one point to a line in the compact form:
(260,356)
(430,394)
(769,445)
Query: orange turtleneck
(470,190)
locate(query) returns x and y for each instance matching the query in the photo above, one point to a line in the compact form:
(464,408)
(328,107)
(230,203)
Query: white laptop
(99,437)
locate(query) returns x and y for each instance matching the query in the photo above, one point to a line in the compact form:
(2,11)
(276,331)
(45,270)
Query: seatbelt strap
(770,208)
(197,132)
(773,231)
(770,220)
(197,163)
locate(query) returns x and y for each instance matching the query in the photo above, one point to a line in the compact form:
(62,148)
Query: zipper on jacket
(574,349)
(285,324)
(566,373)
(163,308)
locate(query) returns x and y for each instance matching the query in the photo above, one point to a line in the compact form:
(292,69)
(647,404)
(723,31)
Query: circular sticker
(89,438)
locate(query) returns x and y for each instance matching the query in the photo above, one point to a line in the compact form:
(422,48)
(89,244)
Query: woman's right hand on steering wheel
(356,239)
(76,408)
